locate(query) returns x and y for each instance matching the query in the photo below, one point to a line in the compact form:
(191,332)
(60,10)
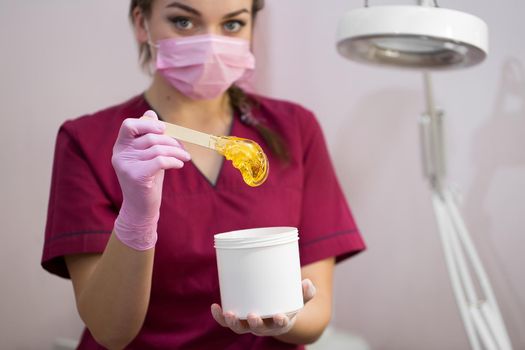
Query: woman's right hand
(140,156)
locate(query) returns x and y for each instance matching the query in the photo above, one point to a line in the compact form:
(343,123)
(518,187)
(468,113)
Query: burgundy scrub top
(85,199)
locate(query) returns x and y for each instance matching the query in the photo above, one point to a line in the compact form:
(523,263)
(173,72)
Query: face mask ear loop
(150,42)
(151,65)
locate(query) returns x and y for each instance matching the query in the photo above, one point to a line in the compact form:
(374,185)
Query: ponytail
(243,105)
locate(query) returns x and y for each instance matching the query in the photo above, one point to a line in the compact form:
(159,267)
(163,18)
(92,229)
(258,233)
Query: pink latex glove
(140,156)
(277,325)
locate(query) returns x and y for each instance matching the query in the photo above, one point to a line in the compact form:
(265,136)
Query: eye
(182,23)
(234,26)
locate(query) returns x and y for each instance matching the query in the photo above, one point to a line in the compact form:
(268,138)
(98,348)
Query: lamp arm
(445,231)
(489,307)
(481,315)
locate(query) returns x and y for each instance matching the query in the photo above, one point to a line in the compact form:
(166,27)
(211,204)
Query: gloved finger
(153,166)
(234,323)
(167,151)
(132,128)
(216,312)
(273,326)
(280,321)
(261,327)
(148,140)
(151,114)
(309,290)
(255,323)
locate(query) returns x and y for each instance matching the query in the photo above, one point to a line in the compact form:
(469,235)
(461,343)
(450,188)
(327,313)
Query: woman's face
(181,18)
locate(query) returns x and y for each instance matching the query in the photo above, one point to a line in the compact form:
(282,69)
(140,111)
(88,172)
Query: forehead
(207,7)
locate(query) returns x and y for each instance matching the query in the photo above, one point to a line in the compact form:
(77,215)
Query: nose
(212,30)
(213,26)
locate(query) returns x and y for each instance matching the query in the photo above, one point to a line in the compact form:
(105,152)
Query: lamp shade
(413,37)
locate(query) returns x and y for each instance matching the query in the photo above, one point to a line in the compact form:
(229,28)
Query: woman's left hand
(277,325)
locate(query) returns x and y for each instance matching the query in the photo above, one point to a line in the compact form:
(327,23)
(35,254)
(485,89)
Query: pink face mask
(204,66)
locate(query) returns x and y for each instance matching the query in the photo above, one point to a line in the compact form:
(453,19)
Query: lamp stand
(480,313)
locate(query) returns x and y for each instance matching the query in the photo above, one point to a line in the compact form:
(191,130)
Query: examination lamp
(413,36)
(426,38)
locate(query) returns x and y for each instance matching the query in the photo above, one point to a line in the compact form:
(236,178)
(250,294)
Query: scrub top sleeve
(327,228)
(80,216)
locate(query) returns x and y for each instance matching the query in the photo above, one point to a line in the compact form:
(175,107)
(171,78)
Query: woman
(131,218)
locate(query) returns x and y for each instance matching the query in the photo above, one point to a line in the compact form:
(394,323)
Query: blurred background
(61,59)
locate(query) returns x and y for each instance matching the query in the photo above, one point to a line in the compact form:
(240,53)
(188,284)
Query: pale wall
(64,58)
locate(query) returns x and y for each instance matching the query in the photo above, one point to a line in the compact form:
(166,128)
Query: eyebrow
(185,8)
(236,13)
(197,13)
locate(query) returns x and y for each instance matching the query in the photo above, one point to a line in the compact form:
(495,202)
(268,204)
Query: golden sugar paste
(247,156)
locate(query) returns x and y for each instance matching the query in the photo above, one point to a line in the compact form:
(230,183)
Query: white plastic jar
(259,271)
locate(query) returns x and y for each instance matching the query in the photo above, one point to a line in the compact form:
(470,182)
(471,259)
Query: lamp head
(421,37)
